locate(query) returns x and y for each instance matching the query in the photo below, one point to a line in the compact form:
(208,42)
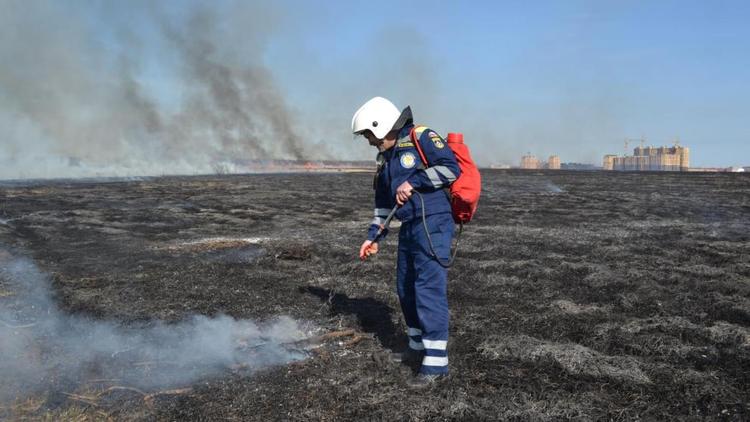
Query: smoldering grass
(553,188)
(45,349)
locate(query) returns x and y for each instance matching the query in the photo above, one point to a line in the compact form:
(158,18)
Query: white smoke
(182,93)
(44,349)
(553,188)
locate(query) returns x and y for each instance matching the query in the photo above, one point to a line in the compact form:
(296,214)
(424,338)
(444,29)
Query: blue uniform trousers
(422,288)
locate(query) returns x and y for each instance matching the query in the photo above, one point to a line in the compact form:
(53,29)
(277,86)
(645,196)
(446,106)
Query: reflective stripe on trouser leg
(430,289)
(436,356)
(405,289)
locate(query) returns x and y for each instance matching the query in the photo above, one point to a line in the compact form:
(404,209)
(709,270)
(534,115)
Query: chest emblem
(408,160)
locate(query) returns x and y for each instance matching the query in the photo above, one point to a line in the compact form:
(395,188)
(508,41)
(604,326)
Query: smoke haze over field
(90,88)
(73,103)
(42,347)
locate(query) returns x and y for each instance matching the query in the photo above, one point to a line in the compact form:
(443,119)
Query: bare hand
(368,248)
(403,193)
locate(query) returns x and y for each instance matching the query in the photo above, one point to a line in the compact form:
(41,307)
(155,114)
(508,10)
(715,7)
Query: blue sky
(573,78)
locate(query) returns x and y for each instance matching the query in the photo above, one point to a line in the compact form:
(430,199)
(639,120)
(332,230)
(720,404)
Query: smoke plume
(44,349)
(151,92)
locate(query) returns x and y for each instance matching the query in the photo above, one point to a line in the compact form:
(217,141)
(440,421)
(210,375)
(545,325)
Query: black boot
(407,356)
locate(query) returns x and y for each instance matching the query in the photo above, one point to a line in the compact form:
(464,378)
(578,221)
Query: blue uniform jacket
(402,163)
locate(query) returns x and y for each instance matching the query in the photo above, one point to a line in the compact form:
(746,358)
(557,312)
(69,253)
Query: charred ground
(575,294)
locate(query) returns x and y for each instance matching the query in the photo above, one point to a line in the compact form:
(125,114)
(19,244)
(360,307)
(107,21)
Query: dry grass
(214,244)
(573,358)
(33,409)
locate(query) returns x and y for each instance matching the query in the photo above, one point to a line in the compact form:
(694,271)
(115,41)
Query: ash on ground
(612,296)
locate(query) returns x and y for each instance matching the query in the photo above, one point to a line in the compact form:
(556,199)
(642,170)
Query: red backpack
(464,192)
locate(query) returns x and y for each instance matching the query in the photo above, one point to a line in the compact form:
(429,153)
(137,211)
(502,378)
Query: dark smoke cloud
(74,100)
(44,349)
(237,102)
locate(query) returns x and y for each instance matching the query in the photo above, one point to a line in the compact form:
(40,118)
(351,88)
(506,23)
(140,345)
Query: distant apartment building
(553,163)
(609,162)
(676,158)
(529,162)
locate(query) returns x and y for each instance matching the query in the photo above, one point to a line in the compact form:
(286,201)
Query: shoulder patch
(436,139)
(408,160)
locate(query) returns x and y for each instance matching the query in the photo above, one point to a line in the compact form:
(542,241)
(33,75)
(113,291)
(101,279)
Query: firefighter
(421,280)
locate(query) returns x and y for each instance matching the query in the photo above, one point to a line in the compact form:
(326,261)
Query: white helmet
(378,115)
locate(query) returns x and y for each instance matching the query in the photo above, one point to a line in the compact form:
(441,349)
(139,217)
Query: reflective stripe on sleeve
(433,176)
(435,361)
(382,212)
(378,221)
(435,344)
(414,331)
(446,173)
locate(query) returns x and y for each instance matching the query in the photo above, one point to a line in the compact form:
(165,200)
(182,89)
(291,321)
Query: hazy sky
(569,77)
(573,78)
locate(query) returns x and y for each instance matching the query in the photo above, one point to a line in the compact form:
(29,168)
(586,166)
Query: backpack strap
(415,134)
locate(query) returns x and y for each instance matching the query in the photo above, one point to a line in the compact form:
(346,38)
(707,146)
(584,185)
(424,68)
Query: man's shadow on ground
(373,315)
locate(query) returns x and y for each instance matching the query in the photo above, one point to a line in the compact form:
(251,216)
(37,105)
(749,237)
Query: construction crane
(642,142)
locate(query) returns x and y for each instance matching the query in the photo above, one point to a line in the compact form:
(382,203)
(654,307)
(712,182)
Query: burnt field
(589,295)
